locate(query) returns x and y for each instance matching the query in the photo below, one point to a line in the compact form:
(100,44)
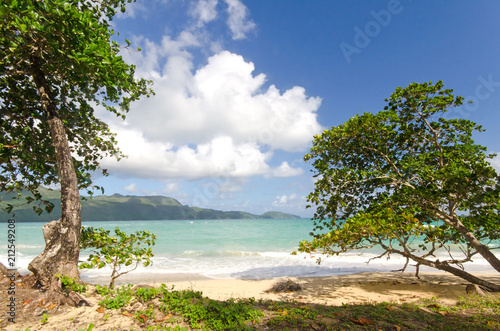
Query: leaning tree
(409,181)
(58,64)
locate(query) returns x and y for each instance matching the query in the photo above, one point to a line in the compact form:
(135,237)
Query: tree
(410,181)
(122,250)
(58,65)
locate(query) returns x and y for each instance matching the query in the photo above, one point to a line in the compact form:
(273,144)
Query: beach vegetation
(147,293)
(90,328)
(103,290)
(72,284)
(118,298)
(144,315)
(410,180)
(120,251)
(45,319)
(170,309)
(59,63)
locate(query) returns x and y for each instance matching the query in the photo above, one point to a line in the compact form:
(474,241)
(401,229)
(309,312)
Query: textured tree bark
(62,237)
(482,249)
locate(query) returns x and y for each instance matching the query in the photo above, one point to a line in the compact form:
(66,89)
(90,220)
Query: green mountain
(129,207)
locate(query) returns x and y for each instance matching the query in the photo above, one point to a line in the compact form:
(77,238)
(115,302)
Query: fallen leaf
(443,313)
(397,327)
(100,309)
(302,307)
(144,318)
(402,299)
(126,313)
(169,316)
(319,316)
(337,314)
(27,301)
(284,313)
(361,321)
(389,308)
(434,305)
(52,306)
(40,304)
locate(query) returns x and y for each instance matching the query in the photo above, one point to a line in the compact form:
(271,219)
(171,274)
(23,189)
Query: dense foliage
(405,173)
(65,47)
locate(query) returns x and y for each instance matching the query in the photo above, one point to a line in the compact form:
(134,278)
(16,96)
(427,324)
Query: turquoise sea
(244,249)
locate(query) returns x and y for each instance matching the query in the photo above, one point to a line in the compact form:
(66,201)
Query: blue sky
(243,86)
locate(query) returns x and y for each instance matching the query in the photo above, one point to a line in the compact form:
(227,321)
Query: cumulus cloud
(157,160)
(215,119)
(237,19)
(223,98)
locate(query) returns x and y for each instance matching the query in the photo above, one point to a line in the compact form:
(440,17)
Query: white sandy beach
(334,290)
(337,290)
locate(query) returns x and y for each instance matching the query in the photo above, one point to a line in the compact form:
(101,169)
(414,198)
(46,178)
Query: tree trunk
(482,249)
(448,268)
(62,237)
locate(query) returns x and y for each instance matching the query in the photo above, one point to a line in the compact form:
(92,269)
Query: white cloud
(131,188)
(219,121)
(223,98)
(237,19)
(204,11)
(156,160)
(292,200)
(285,170)
(495,162)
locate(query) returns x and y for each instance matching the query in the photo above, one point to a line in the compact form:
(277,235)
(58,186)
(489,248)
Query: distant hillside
(129,207)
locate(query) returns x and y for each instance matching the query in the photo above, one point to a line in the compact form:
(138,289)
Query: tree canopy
(408,180)
(68,45)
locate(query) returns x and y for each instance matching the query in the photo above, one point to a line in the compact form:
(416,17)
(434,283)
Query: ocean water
(243,249)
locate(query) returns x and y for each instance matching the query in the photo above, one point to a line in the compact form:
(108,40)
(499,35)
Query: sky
(242,87)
